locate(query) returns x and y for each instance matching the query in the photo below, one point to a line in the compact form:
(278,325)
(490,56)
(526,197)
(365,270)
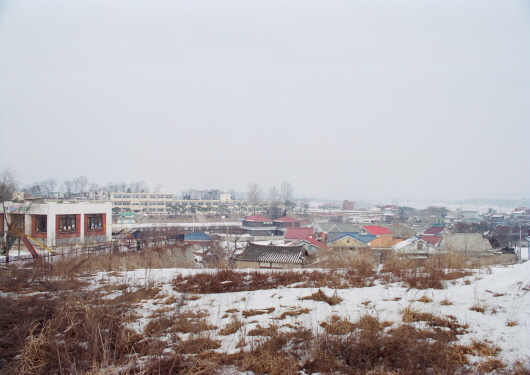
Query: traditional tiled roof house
(271,256)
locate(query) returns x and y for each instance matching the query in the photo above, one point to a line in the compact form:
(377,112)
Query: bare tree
(68,188)
(113,187)
(274,207)
(35,189)
(8,185)
(80,184)
(48,187)
(286,193)
(138,187)
(158,187)
(254,195)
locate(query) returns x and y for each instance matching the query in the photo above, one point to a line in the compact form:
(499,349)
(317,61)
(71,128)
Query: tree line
(76,186)
(278,200)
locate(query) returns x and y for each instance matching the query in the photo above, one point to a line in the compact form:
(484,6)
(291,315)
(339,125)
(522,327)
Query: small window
(41,223)
(67,223)
(94,221)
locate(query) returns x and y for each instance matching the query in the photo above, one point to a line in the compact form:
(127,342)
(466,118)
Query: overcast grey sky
(344,99)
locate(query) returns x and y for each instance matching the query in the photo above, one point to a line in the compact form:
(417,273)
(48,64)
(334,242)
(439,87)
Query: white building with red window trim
(56,224)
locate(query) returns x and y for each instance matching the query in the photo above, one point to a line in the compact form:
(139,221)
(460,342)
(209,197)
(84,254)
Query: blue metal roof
(197,236)
(364,238)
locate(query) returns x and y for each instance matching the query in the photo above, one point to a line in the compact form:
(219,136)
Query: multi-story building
(142,202)
(348,205)
(163,203)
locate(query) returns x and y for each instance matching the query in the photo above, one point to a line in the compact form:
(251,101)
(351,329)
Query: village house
(435,230)
(271,256)
(310,244)
(283,223)
(257,225)
(292,234)
(416,248)
(465,242)
(376,230)
(384,242)
(349,240)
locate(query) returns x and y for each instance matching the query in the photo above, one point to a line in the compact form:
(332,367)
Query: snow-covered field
(494,305)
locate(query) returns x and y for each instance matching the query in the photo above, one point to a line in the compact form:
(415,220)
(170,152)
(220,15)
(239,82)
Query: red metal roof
(297,233)
(433,240)
(433,230)
(287,219)
(377,230)
(257,218)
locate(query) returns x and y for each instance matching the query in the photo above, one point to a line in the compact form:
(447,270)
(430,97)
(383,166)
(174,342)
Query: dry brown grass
(478,308)
(413,315)
(271,330)
(197,345)
(424,299)
(322,297)
(430,273)
(480,348)
(137,296)
(338,326)
(231,327)
(248,313)
(295,312)
(370,349)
